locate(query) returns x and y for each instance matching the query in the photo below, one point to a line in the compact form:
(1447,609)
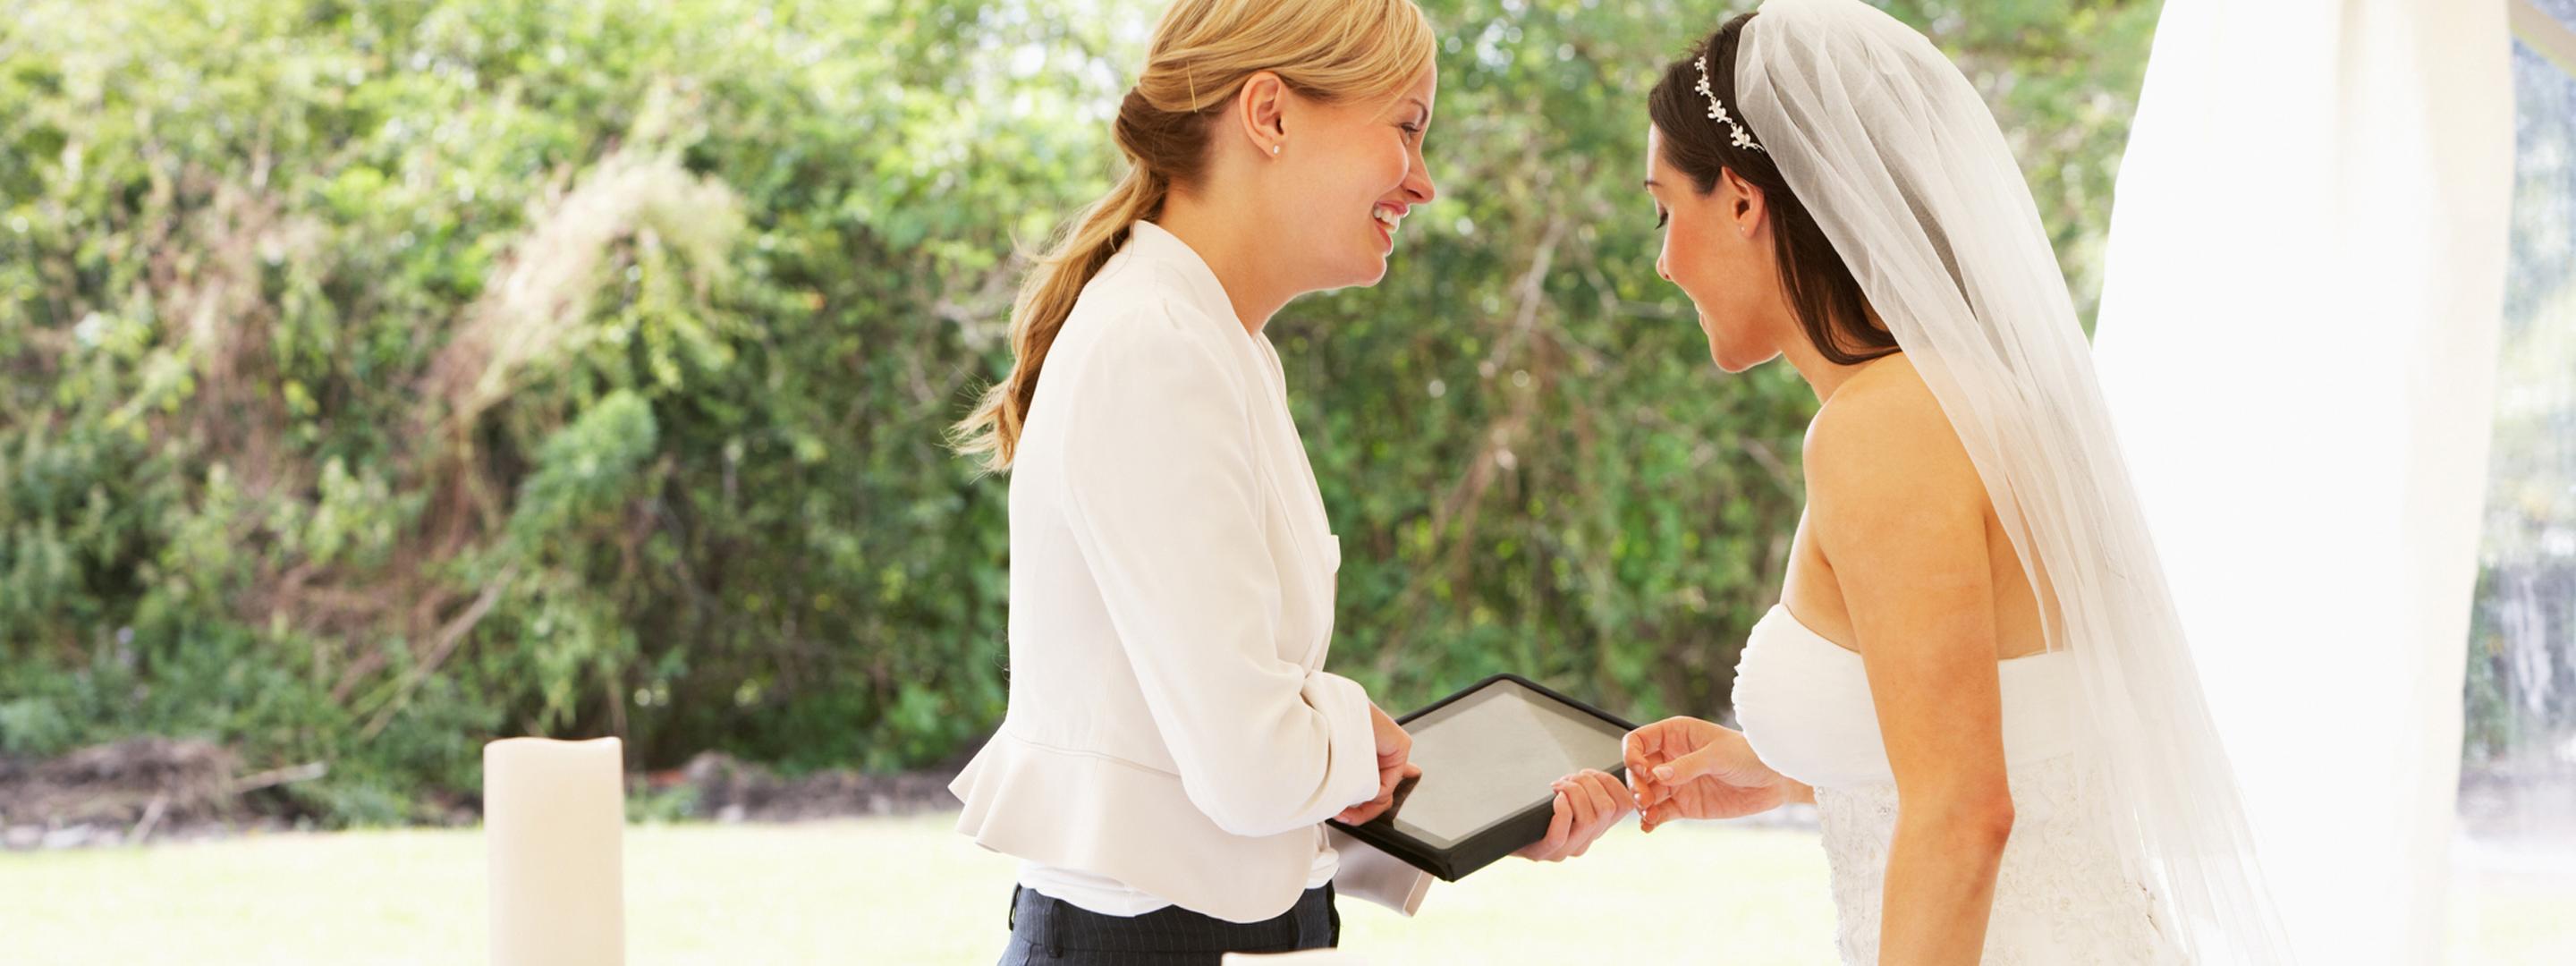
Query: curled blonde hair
(1202,53)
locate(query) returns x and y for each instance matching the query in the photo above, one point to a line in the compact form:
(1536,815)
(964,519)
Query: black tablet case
(1483,849)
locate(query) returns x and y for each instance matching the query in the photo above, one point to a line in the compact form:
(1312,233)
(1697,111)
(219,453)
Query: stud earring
(1274,150)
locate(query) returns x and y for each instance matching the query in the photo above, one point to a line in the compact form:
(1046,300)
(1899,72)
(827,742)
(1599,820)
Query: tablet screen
(1493,753)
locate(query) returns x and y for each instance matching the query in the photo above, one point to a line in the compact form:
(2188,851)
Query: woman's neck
(1230,251)
(1823,375)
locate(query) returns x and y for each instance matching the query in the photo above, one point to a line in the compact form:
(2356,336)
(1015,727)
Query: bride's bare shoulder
(1882,436)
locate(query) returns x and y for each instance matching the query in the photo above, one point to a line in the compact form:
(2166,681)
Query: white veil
(1904,169)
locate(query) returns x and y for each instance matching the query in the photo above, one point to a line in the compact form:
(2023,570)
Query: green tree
(380,377)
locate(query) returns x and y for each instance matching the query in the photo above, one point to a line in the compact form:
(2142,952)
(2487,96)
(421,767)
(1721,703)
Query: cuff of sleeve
(1376,876)
(1351,777)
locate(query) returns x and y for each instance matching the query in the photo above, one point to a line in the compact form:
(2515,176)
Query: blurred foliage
(377,378)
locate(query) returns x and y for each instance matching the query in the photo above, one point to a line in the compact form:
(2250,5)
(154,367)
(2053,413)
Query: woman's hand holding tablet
(1394,767)
(1587,804)
(1487,758)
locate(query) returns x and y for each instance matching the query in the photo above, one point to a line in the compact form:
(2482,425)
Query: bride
(1975,672)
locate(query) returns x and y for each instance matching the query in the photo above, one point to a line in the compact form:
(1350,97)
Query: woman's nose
(1420,185)
(1661,271)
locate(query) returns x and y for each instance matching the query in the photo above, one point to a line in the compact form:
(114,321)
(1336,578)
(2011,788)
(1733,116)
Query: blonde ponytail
(992,432)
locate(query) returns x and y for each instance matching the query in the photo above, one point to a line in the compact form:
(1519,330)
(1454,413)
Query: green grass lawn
(908,891)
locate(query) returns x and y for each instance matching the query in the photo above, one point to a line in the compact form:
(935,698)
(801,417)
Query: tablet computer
(1489,755)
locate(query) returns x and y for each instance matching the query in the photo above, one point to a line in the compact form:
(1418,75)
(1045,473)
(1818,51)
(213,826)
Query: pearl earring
(1274,150)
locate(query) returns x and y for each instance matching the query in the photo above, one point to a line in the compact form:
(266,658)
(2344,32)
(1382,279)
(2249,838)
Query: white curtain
(2298,339)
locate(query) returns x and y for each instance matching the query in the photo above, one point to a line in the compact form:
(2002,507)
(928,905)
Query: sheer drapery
(2298,339)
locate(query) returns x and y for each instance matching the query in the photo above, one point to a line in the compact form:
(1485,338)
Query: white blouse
(1171,733)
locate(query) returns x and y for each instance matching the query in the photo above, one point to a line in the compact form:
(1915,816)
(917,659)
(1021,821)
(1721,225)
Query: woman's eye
(1411,131)
(1661,217)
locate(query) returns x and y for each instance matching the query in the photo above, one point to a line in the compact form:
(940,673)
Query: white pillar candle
(554,818)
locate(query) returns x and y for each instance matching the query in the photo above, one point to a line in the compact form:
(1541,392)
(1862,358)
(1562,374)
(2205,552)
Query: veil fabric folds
(1904,168)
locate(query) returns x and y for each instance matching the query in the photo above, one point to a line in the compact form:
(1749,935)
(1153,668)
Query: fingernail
(1664,772)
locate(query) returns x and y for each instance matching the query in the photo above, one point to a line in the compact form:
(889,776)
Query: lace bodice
(2061,896)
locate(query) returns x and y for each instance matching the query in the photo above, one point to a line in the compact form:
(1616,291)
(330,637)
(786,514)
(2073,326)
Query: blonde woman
(1173,743)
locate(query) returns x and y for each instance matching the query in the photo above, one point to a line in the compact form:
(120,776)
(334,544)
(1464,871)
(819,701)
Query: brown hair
(1820,287)
(1202,53)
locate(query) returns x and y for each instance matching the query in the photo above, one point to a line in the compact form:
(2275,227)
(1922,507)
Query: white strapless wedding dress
(2061,897)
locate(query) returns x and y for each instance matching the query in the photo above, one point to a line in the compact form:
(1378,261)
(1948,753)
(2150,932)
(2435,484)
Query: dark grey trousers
(1051,932)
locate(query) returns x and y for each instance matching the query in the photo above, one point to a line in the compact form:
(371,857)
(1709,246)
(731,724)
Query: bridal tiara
(1717,111)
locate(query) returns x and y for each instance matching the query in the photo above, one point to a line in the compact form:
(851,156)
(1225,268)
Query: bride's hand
(1688,768)
(1588,803)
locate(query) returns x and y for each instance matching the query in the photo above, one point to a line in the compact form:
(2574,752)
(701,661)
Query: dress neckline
(1782,609)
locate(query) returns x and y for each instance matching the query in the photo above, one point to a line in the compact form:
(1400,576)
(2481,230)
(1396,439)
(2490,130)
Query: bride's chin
(1736,362)
(1724,364)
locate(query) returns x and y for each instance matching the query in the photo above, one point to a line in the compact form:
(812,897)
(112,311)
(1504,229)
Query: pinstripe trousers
(1050,932)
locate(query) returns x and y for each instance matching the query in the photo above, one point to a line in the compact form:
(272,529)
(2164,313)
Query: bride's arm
(1900,514)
